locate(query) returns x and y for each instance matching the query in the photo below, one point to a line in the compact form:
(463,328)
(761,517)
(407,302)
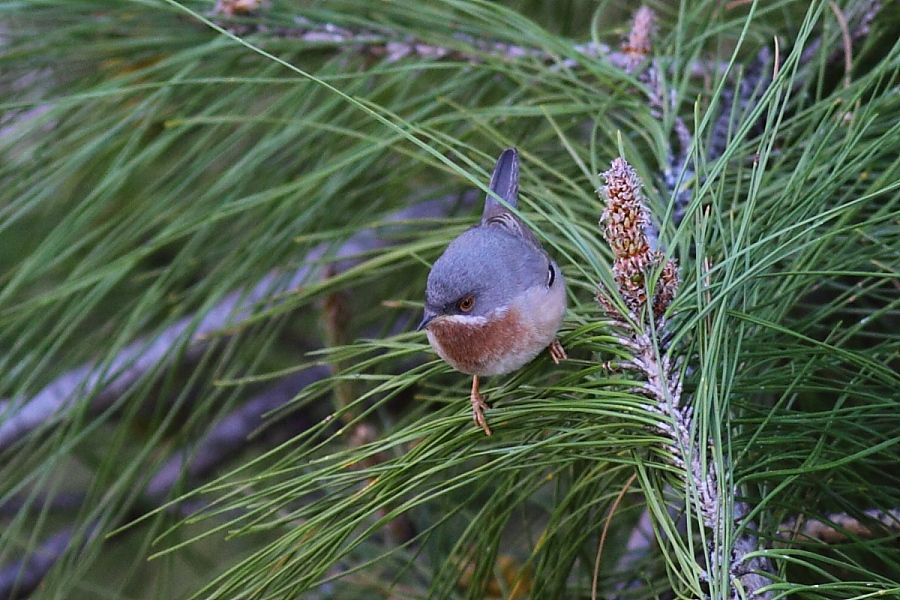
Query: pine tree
(216,219)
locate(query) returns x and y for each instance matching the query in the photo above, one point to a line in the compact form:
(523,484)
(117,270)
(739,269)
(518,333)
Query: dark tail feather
(504,183)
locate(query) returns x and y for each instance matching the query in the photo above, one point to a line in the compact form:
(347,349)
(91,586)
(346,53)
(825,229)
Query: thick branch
(58,502)
(222,442)
(392,47)
(20,578)
(736,100)
(841,527)
(104,383)
(229,436)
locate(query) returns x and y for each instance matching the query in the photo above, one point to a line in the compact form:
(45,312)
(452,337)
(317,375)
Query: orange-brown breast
(477,349)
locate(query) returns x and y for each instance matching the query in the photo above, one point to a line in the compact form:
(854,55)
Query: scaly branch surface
(642,331)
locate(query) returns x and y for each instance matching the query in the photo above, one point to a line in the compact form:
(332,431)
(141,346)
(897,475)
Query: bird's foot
(557,352)
(478,407)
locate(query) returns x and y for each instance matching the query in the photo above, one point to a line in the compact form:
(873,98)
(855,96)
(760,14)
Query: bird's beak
(426,319)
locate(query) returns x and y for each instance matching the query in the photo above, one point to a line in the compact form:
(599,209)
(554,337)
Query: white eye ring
(551,275)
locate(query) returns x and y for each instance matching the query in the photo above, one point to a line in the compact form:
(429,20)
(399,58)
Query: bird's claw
(478,408)
(557,352)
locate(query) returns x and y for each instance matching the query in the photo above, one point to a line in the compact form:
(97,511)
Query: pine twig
(861,14)
(738,98)
(609,515)
(336,316)
(639,45)
(625,224)
(104,383)
(394,47)
(401,528)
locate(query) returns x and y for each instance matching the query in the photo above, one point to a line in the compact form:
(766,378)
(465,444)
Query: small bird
(494,299)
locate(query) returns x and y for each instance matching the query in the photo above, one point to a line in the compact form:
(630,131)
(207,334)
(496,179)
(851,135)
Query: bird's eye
(466,304)
(551,276)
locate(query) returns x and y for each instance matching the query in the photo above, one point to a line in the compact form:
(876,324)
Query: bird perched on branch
(495,299)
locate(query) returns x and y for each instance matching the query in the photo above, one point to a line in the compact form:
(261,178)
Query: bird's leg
(557,352)
(478,407)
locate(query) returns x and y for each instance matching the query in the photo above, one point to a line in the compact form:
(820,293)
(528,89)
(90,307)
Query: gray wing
(505,184)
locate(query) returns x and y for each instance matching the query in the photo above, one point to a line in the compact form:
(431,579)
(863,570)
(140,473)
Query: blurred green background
(253,201)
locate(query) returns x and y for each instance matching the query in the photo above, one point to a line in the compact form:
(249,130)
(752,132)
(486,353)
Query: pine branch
(248,19)
(19,579)
(841,527)
(229,436)
(742,93)
(737,99)
(638,47)
(225,440)
(862,14)
(326,508)
(103,384)
(642,331)
(58,502)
